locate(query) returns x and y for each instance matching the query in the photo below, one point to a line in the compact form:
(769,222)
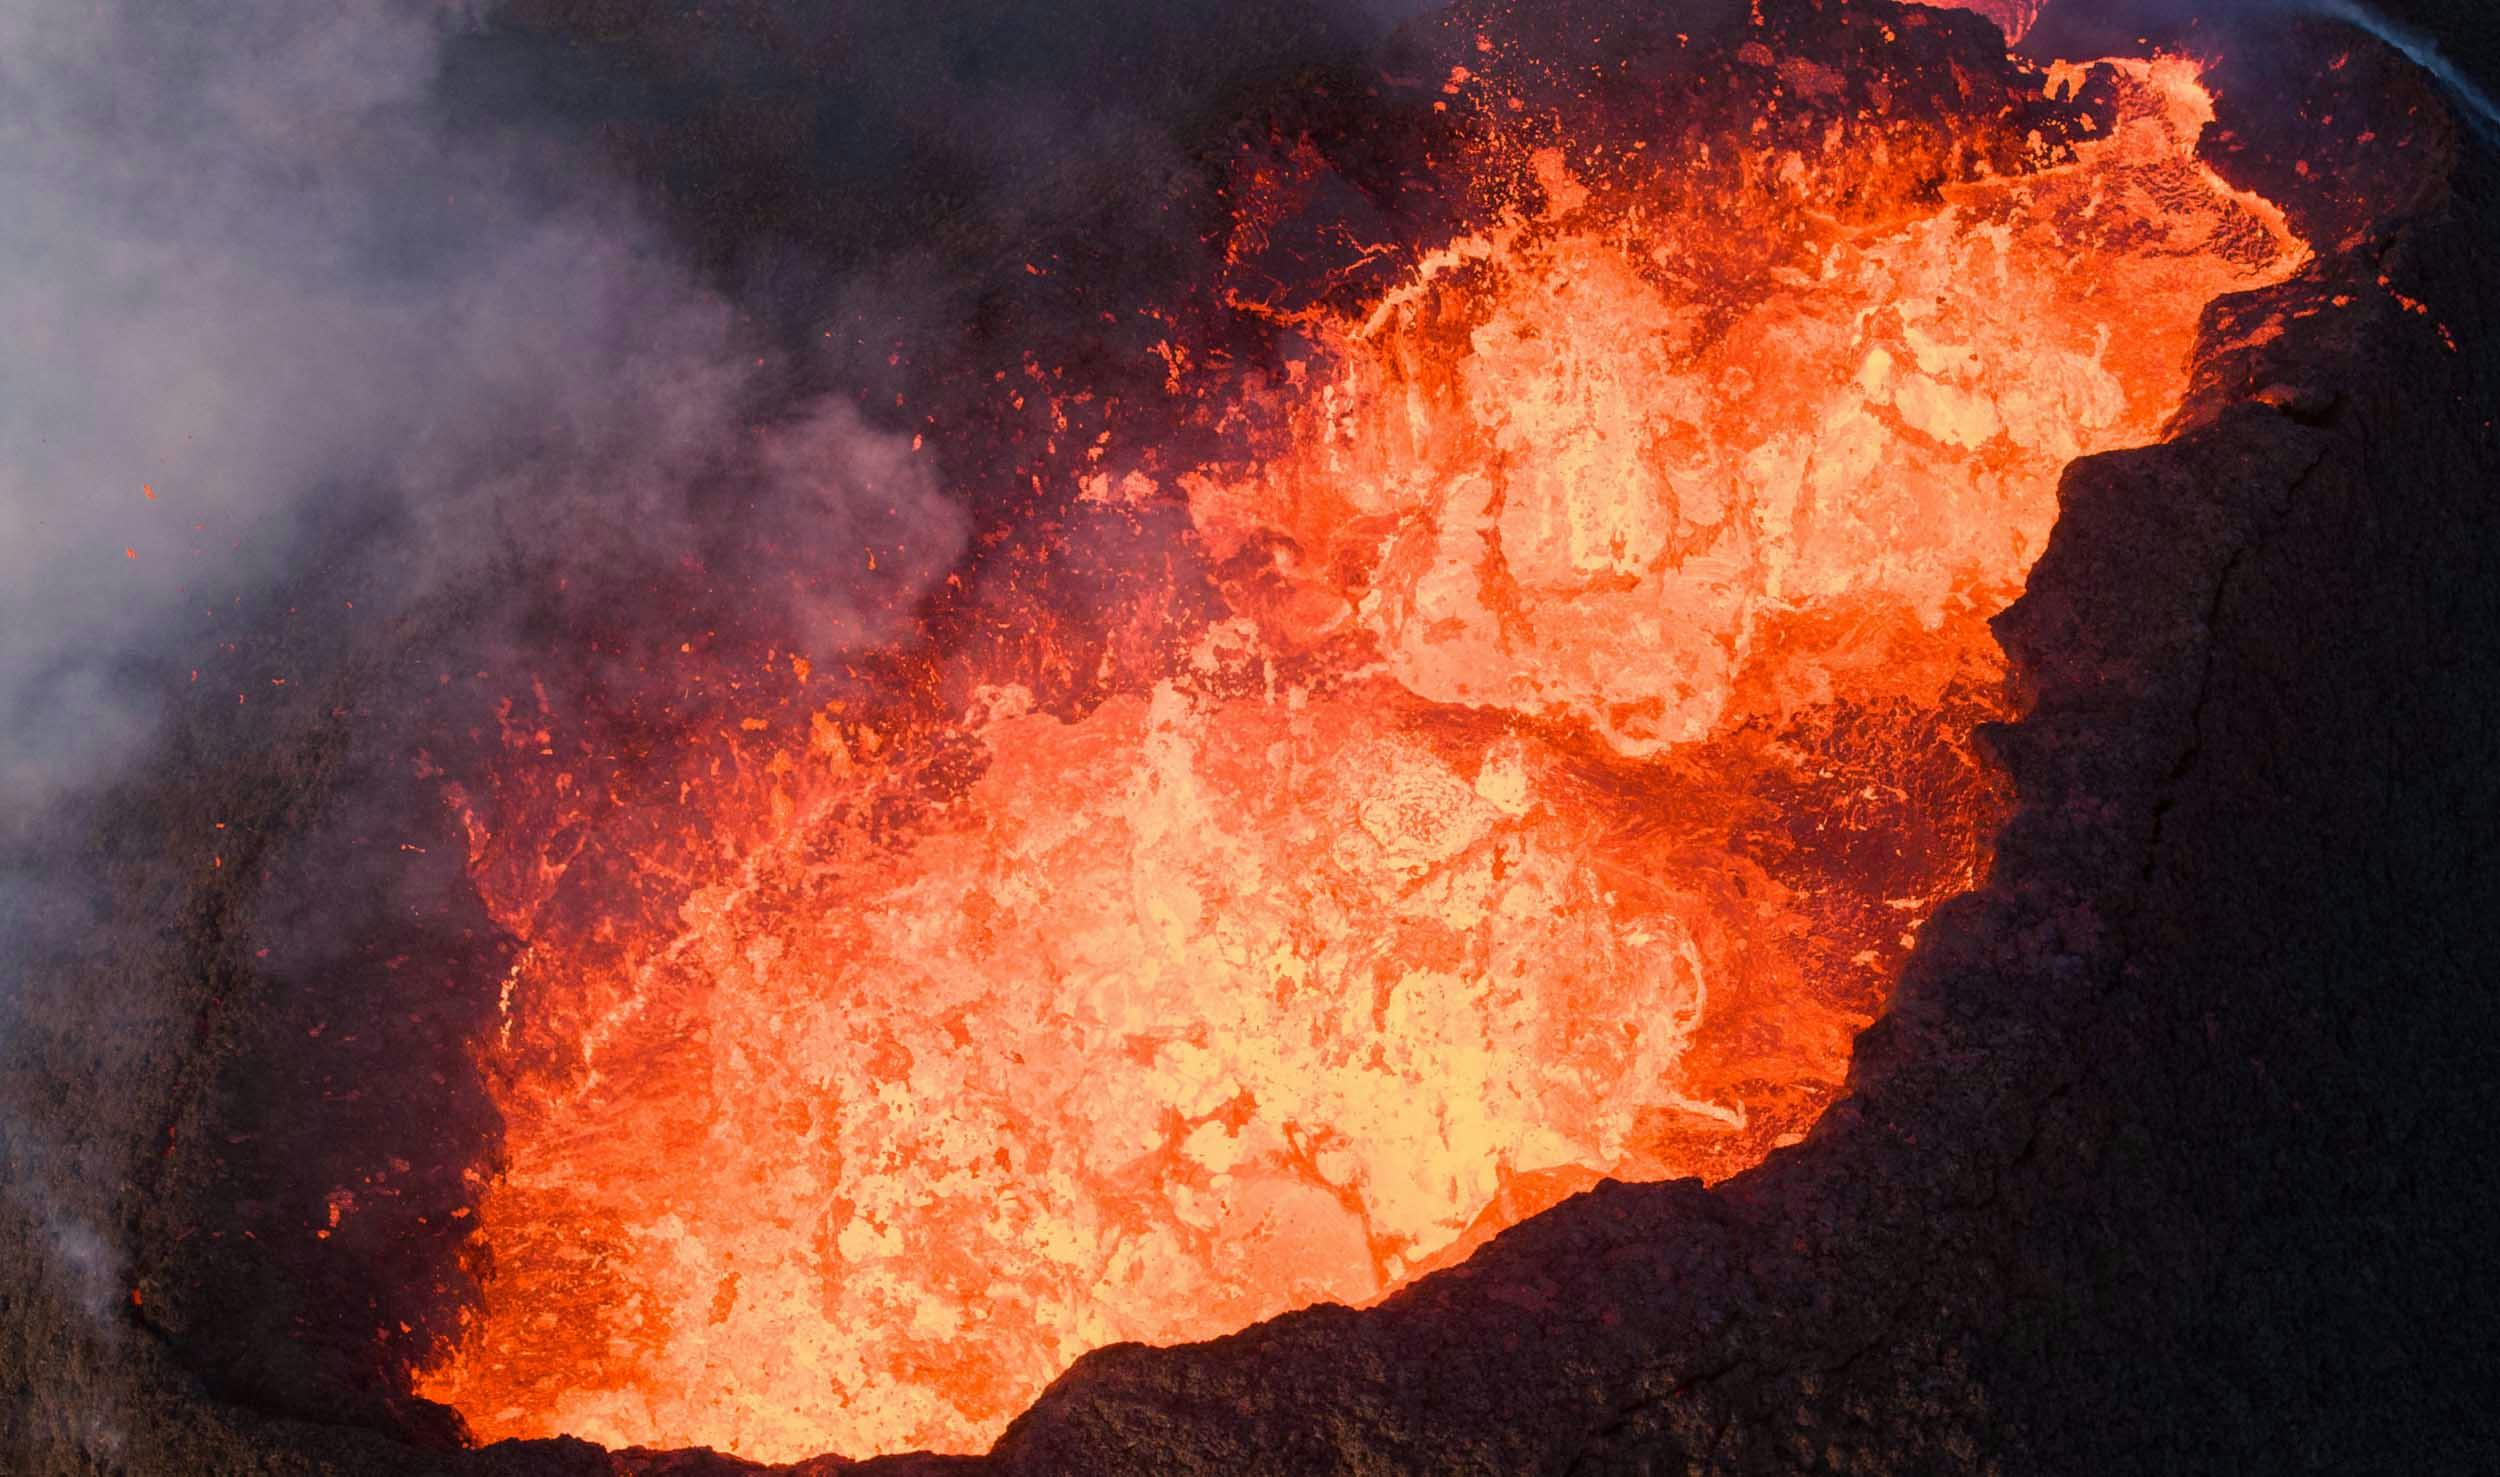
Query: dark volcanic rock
(2170,1156)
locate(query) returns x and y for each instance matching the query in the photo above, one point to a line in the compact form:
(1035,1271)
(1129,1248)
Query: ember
(1585,737)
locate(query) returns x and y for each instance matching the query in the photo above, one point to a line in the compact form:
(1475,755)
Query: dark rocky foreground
(2171,1156)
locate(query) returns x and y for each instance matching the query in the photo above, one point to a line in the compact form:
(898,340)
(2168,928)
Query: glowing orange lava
(1586,740)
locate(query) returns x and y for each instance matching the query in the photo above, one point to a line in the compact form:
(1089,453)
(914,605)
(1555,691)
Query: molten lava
(1587,737)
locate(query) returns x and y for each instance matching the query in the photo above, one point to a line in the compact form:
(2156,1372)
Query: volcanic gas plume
(1559,722)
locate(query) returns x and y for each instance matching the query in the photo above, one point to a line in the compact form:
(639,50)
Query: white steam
(247,263)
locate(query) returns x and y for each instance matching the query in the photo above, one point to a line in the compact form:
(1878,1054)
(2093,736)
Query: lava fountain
(1559,721)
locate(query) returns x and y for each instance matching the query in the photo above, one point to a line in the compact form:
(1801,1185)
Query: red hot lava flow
(1584,737)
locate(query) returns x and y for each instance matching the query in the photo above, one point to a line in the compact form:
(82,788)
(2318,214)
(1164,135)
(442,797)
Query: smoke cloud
(259,295)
